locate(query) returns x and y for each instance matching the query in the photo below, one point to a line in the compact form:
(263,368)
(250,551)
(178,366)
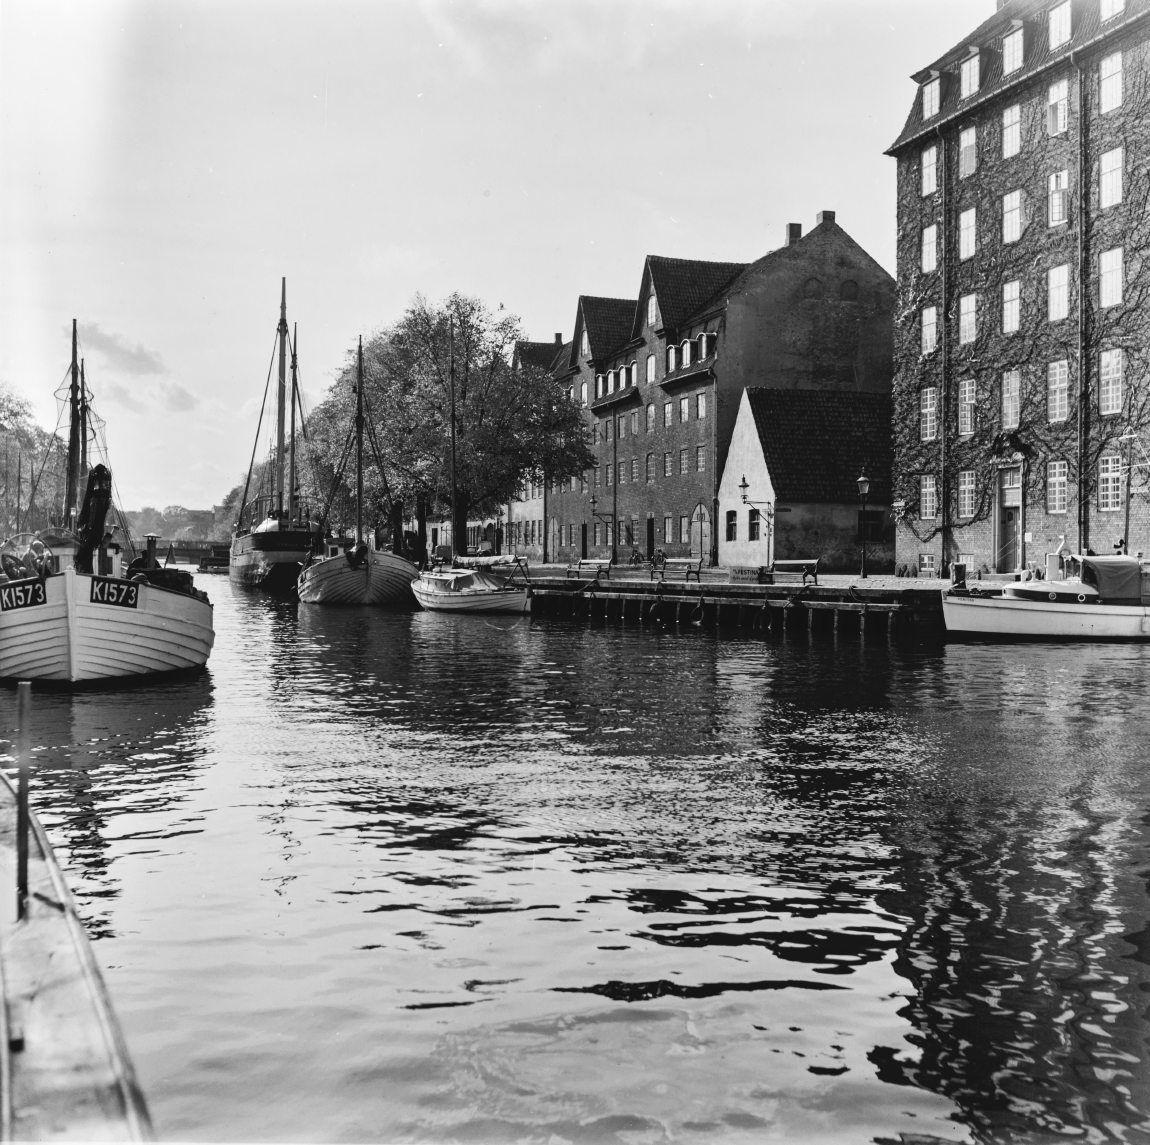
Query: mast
(451,381)
(19,485)
(293,507)
(281,393)
(83,423)
(359,445)
(73,472)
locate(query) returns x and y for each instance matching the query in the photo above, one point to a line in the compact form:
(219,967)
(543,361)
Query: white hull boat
(375,578)
(1109,599)
(73,627)
(471,590)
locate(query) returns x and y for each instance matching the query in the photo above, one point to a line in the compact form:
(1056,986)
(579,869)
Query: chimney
(826,217)
(794,233)
(558,338)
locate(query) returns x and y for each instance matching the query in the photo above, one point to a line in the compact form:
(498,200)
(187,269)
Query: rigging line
(336,479)
(376,452)
(259,426)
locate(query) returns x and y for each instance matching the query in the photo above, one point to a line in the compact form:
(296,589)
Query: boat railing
(508,564)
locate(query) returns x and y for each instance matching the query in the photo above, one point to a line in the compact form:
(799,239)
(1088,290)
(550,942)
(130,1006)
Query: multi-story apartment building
(660,379)
(1023,316)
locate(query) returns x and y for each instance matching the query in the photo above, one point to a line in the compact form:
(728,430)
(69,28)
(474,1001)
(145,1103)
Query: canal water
(382,877)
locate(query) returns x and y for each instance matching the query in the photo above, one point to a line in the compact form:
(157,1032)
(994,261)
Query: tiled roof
(541,355)
(1037,58)
(608,322)
(683,285)
(560,357)
(817,442)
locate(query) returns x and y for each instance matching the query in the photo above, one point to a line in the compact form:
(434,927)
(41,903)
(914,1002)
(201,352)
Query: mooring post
(23,730)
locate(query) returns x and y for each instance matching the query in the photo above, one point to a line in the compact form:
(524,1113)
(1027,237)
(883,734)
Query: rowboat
(476,584)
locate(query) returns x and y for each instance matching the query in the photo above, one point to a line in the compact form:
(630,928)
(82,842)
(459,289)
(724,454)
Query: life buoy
(1082,598)
(1052,596)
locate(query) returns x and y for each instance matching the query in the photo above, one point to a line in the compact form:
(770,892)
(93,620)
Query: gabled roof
(682,286)
(608,323)
(817,442)
(560,357)
(987,38)
(541,355)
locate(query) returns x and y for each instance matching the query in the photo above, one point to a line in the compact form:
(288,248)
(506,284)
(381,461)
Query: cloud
(122,396)
(118,352)
(147,397)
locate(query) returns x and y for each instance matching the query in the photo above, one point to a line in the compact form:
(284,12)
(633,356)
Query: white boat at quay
(476,584)
(1081,598)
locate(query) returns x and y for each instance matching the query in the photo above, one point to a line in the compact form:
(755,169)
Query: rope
(259,426)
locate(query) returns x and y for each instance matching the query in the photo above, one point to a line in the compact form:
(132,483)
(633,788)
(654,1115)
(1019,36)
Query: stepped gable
(683,285)
(817,442)
(608,323)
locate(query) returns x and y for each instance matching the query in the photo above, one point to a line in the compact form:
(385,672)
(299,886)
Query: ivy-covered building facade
(1021,404)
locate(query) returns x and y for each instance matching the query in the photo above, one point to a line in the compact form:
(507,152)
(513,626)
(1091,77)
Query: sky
(163,165)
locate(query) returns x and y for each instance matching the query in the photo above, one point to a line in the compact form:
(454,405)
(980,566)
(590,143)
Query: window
(1059,192)
(608,475)
(685,409)
(1110,93)
(650,310)
(685,530)
(1111,381)
(967,318)
(1057,293)
(1059,25)
(1011,131)
(650,417)
(598,534)
(685,352)
(929,329)
(620,426)
(1108,9)
(1012,51)
(1058,391)
(967,152)
(634,422)
(966,398)
(1010,306)
(584,345)
(732,525)
(668,527)
(928,413)
(1110,287)
(927,497)
(1011,217)
(650,468)
(1109,483)
(650,368)
(966,493)
(1011,387)
(930,170)
(700,458)
(583,394)
(634,469)
(753,521)
(667,413)
(668,466)
(610,381)
(930,91)
(1110,178)
(966,233)
(683,470)
(1056,486)
(968,77)
(929,248)
(1057,108)
(670,359)
(701,406)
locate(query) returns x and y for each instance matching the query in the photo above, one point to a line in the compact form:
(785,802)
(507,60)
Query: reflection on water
(415,877)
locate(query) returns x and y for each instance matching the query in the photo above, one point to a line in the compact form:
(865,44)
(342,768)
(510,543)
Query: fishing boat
(71,612)
(1079,598)
(476,584)
(350,571)
(272,536)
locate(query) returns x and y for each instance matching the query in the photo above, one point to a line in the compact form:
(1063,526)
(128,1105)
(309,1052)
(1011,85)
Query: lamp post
(769,512)
(863,483)
(606,517)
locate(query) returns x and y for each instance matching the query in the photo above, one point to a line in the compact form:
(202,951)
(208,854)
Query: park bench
(676,568)
(782,571)
(590,566)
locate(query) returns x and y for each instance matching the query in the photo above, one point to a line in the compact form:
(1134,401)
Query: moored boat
(476,584)
(1090,598)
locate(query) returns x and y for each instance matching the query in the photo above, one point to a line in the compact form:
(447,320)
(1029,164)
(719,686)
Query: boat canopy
(1118,579)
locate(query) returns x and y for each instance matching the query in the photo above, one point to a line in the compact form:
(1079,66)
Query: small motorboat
(1080,598)
(476,584)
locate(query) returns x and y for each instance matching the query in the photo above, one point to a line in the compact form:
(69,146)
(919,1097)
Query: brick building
(660,379)
(1020,395)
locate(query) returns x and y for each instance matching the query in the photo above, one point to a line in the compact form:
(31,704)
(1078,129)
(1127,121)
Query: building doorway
(583,541)
(1008,551)
(701,532)
(650,538)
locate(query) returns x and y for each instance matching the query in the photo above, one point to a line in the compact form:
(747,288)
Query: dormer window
(610,381)
(651,309)
(930,93)
(632,373)
(600,387)
(968,77)
(1012,46)
(1059,17)
(670,359)
(585,345)
(685,352)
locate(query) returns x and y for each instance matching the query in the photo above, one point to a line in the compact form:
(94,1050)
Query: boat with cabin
(272,534)
(1079,597)
(476,584)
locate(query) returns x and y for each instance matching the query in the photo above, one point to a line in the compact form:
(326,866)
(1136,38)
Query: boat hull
(382,579)
(507,600)
(1009,617)
(269,560)
(72,628)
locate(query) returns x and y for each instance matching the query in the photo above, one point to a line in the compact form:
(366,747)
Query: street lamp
(863,483)
(607,517)
(768,511)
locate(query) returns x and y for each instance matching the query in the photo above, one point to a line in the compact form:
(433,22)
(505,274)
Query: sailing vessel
(271,537)
(476,584)
(356,573)
(69,609)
